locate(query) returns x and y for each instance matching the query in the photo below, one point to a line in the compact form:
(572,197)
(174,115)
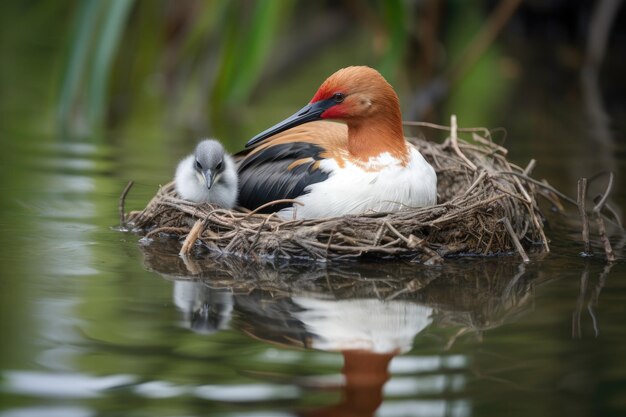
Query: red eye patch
(336,112)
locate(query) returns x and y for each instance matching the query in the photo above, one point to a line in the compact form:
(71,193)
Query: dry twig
(191,238)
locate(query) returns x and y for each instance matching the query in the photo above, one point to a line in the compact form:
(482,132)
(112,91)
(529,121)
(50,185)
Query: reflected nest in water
(473,295)
(486,206)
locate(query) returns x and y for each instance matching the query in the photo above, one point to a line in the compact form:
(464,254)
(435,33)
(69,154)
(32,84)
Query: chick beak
(208,177)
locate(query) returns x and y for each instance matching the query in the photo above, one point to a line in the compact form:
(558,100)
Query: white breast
(385,186)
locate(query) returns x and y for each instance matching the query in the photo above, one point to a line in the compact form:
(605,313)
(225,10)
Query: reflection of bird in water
(335,169)
(205,310)
(369,333)
(208,176)
(362,324)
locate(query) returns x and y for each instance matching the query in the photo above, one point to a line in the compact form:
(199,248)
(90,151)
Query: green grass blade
(245,52)
(258,42)
(113,27)
(82,34)
(394,12)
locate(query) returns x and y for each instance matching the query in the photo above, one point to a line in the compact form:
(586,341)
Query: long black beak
(208,177)
(308,113)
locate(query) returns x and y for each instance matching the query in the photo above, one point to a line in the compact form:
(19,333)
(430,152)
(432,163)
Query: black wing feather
(264,175)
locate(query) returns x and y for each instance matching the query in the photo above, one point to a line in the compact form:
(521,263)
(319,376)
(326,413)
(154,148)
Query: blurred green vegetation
(141,80)
(188,68)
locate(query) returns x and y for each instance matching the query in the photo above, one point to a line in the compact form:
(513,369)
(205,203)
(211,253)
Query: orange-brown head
(357,93)
(365,101)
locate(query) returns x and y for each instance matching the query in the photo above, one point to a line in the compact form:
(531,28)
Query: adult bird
(209,175)
(362,164)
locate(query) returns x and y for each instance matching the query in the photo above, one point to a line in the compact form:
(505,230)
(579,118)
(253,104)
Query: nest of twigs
(486,206)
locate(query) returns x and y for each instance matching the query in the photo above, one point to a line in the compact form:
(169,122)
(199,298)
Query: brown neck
(369,138)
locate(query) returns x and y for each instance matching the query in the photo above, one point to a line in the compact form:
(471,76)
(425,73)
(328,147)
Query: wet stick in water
(608,249)
(582,195)
(515,239)
(600,203)
(122,202)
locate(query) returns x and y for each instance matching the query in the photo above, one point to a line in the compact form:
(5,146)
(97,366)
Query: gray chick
(208,175)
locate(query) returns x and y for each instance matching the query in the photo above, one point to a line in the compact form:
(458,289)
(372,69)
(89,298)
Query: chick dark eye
(338,97)
(218,166)
(198,166)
